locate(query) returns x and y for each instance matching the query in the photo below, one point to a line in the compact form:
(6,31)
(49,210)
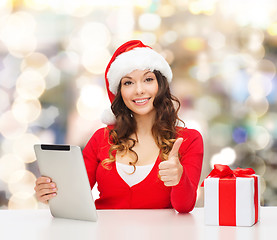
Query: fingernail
(48,180)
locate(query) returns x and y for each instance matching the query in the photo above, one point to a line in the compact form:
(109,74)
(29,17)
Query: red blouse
(115,193)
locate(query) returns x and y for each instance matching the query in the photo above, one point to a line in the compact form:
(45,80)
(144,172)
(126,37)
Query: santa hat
(130,56)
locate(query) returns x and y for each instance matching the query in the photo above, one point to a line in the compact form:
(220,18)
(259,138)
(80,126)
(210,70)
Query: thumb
(175,148)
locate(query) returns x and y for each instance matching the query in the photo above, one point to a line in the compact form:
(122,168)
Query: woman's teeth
(140,101)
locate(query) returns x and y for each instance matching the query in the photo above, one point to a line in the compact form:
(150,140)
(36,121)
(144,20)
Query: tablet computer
(64,164)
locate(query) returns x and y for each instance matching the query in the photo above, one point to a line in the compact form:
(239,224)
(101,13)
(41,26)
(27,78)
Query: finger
(45,186)
(166,178)
(46,198)
(164,165)
(175,148)
(164,172)
(169,183)
(41,180)
(167,165)
(45,192)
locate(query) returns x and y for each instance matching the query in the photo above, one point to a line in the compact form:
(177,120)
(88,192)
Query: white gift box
(232,201)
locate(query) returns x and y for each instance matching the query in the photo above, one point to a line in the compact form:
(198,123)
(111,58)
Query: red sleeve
(183,195)
(91,154)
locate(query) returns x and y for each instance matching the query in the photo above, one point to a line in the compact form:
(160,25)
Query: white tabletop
(131,224)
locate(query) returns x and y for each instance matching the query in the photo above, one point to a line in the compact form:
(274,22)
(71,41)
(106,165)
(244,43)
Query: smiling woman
(138,91)
(141,133)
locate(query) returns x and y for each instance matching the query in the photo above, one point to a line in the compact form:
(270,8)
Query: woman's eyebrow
(127,77)
(147,72)
(131,77)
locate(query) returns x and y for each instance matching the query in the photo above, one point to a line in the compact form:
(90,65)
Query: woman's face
(138,90)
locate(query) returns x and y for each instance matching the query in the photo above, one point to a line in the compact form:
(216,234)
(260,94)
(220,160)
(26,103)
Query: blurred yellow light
(209,12)
(259,86)
(194,119)
(255,40)
(22,201)
(78,8)
(202,6)
(260,138)
(10,163)
(36,61)
(72,7)
(166,10)
(168,55)
(26,150)
(169,37)
(95,61)
(17,34)
(30,84)
(5,7)
(36,4)
(217,40)
(94,35)
(147,38)
(18,24)
(22,181)
(121,21)
(195,8)
(267,69)
(23,48)
(272,29)
(3,3)
(194,44)
(142,3)
(83,80)
(91,102)
(10,127)
(26,111)
(149,21)
(259,106)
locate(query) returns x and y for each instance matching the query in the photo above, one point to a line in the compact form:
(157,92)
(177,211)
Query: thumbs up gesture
(171,170)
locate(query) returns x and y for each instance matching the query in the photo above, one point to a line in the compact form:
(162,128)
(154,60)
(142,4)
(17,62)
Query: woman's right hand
(45,189)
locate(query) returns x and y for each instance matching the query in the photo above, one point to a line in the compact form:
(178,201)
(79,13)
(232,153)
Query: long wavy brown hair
(163,129)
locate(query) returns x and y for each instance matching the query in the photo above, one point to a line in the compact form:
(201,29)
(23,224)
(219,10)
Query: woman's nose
(139,89)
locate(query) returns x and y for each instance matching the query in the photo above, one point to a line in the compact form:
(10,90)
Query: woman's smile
(141,101)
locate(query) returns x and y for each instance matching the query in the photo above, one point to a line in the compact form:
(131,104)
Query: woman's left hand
(171,170)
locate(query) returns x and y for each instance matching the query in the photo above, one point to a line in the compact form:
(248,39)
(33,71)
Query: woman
(141,159)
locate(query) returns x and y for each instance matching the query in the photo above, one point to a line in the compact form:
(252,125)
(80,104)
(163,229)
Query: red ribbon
(227,191)
(224,171)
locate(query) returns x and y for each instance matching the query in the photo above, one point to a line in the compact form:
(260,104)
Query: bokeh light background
(52,60)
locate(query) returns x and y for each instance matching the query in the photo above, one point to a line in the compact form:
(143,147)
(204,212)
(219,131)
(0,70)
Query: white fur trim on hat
(141,58)
(108,117)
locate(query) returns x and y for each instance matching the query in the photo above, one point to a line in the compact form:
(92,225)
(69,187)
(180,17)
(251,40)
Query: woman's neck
(144,124)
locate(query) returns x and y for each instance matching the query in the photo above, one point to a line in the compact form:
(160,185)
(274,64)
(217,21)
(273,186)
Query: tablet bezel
(64,164)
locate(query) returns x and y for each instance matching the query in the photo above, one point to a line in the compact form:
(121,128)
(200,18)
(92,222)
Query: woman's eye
(127,83)
(148,79)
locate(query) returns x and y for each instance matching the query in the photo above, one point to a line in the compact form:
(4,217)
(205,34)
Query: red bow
(224,171)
